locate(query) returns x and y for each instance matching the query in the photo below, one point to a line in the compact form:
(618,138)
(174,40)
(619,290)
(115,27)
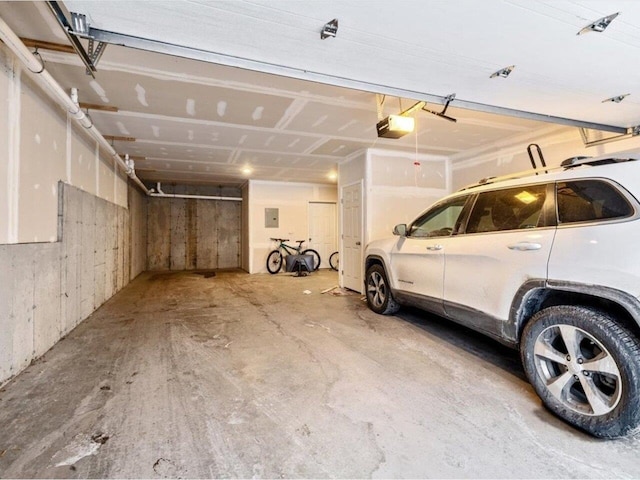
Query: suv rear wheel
(379,298)
(585,368)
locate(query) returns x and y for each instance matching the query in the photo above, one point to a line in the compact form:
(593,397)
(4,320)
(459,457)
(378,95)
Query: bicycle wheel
(334,261)
(315,255)
(274,261)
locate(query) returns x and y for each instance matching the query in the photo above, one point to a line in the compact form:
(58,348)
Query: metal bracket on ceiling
(96,54)
(599,25)
(330,29)
(447,100)
(74,36)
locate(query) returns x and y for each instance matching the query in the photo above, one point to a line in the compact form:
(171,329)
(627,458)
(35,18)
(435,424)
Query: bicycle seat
(300,241)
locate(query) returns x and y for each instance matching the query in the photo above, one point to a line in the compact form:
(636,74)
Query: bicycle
(334,261)
(275,258)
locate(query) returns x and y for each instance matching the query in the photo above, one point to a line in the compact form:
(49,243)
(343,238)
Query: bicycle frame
(290,249)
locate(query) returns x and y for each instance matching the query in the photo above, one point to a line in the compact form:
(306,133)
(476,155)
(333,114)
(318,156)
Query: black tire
(586,369)
(274,261)
(315,255)
(378,292)
(334,261)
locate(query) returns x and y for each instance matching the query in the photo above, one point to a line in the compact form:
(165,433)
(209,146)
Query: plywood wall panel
(229,221)
(158,234)
(207,235)
(188,234)
(178,234)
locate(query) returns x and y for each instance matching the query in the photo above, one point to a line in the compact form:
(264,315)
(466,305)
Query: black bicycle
(275,258)
(334,261)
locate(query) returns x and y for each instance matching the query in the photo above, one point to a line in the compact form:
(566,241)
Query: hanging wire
(36,54)
(379,104)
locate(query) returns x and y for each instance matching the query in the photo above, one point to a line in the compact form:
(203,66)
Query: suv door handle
(434,247)
(522,246)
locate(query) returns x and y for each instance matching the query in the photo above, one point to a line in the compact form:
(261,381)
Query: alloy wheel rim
(578,370)
(377,289)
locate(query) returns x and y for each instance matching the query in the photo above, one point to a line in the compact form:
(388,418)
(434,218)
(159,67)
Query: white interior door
(322,230)
(351,254)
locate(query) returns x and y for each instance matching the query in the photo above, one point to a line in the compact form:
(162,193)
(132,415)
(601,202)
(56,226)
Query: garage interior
(141,335)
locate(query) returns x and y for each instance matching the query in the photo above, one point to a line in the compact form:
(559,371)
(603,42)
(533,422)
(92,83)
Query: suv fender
(537,294)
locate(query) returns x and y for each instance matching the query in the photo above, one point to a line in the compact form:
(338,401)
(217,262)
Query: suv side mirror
(400,230)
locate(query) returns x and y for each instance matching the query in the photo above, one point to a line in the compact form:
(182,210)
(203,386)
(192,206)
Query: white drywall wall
(42,146)
(399,186)
(292,201)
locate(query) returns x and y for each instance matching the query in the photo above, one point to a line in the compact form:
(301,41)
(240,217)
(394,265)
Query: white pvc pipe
(160,193)
(56,92)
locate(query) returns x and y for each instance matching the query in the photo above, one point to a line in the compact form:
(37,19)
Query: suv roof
(555,172)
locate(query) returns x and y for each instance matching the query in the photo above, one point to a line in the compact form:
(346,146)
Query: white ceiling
(201,122)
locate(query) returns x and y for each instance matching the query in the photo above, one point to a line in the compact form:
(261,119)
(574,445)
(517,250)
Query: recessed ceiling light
(247,170)
(599,25)
(504,72)
(333,175)
(616,99)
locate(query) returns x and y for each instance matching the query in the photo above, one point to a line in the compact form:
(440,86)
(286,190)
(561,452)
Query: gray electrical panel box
(271,218)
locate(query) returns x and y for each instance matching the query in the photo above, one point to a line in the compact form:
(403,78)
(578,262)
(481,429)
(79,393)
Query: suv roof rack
(594,162)
(572,162)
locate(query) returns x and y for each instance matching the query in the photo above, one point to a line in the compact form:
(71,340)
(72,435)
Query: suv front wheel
(585,368)
(379,297)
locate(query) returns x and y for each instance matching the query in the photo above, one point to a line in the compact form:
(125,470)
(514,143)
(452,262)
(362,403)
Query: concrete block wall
(46,289)
(193,234)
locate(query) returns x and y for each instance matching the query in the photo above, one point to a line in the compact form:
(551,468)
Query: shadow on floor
(464,338)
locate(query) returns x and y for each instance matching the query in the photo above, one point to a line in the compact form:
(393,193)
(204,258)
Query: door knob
(358,243)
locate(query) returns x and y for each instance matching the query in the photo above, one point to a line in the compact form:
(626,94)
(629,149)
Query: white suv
(546,263)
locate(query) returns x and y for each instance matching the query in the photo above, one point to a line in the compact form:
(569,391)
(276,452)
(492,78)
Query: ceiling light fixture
(599,25)
(247,170)
(504,72)
(333,175)
(330,29)
(616,99)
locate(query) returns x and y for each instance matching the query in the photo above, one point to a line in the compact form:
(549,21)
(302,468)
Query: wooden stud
(93,106)
(115,138)
(56,47)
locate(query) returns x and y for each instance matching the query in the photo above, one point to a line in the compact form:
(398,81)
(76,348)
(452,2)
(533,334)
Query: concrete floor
(232,375)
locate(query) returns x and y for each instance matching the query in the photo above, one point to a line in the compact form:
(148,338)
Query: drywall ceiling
(198,122)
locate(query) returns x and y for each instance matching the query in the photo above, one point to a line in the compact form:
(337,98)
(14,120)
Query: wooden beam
(56,47)
(93,106)
(115,138)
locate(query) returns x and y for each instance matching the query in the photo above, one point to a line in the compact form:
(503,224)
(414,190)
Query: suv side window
(590,200)
(508,209)
(440,221)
